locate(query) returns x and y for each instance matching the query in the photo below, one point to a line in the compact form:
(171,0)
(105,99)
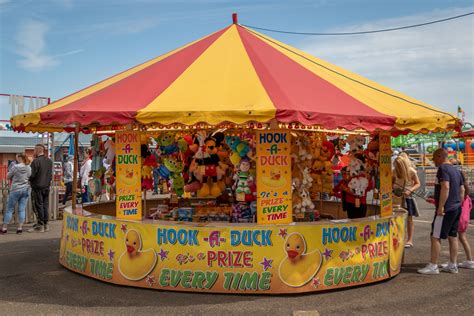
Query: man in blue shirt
(449,190)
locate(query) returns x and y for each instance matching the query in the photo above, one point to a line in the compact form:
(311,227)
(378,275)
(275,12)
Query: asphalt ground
(33,282)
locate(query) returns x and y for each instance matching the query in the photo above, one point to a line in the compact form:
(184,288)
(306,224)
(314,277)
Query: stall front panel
(245,258)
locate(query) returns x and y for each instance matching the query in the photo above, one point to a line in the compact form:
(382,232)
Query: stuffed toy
(242,178)
(167,144)
(148,163)
(177,184)
(208,164)
(356,143)
(306,203)
(238,147)
(356,165)
(358,186)
(321,170)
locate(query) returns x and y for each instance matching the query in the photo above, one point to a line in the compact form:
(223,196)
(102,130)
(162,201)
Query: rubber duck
(298,267)
(134,263)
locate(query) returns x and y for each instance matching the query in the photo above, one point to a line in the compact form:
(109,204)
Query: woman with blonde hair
(405,182)
(19,192)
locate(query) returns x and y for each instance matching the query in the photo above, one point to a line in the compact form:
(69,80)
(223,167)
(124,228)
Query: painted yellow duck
(134,263)
(298,267)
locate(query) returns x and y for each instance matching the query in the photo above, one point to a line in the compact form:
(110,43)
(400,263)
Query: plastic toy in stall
(243,212)
(184,214)
(242,181)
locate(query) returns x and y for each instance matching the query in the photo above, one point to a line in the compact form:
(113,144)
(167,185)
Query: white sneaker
(466,264)
(429,269)
(443,265)
(450,268)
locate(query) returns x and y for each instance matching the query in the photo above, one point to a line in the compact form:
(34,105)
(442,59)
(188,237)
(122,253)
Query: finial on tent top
(234,18)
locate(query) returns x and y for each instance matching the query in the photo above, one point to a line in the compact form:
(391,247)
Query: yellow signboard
(266,259)
(385,171)
(274,177)
(128,182)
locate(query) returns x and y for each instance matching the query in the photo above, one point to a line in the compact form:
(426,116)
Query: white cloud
(434,63)
(31,46)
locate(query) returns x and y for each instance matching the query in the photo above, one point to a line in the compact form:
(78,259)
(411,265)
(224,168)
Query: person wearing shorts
(449,191)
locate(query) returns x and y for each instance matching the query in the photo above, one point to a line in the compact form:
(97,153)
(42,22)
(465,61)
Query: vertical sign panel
(128,159)
(274,177)
(385,161)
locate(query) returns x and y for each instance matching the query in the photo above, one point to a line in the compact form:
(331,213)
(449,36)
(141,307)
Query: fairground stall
(246,141)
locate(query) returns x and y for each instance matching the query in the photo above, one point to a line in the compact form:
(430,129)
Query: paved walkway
(32,282)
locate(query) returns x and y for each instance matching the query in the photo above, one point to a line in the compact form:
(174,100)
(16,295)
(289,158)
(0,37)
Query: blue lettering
(182,236)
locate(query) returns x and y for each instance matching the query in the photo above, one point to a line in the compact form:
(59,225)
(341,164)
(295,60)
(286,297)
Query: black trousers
(40,199)
(68,192)
(356,212)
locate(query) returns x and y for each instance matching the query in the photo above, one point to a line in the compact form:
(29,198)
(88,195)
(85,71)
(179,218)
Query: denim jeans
(20,197)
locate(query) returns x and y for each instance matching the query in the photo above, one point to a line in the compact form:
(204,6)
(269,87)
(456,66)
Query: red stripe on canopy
(121,100)
(301,96)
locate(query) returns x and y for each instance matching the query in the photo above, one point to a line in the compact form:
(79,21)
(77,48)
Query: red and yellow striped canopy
(237,75)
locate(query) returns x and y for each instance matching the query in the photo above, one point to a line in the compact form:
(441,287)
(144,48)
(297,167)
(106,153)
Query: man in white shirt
(84,174)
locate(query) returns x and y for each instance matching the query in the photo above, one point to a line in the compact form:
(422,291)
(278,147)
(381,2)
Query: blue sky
(55,47)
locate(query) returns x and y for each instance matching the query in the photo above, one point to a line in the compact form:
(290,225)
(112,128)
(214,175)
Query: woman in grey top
(19,192)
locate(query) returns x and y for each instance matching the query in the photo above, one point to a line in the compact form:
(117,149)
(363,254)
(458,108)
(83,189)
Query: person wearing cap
(67,177)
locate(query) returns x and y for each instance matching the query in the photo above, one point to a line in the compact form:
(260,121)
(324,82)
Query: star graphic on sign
(124,228)
(163,254)
(111,254)
(316,282)
(327,253)
(150,280)
(283,232)
(266,263)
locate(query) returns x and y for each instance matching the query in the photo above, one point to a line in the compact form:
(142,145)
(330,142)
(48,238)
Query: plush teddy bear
(358,185)
(306,203)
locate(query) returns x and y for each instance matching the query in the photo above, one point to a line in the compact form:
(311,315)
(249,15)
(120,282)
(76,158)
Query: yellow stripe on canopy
(221,85)
(387,101)
(33,118)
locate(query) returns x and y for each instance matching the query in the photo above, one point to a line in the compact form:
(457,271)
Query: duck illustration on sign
(397,245)
(134,263)
(298,267)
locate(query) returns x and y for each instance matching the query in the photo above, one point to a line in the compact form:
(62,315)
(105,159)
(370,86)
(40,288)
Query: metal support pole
(76,167)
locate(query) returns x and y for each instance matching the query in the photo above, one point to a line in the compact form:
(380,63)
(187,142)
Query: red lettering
(248,259)
(221,258)
(211,256)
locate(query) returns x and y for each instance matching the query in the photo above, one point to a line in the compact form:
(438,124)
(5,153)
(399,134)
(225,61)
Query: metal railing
(30,215)
(427,176)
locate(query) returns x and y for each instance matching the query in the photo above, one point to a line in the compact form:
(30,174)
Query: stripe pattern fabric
(237,75)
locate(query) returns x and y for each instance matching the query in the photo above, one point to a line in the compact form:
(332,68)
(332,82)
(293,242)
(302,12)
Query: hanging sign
(128,182)
(274,177)
(385,168)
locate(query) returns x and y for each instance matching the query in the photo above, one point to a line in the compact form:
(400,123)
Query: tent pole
(76,167)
